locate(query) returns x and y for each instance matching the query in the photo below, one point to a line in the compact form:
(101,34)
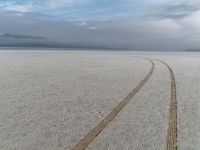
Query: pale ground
(50,99)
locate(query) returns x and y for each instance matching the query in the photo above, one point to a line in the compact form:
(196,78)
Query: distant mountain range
(19,36)
(15,41)
(10,41)
(192,50)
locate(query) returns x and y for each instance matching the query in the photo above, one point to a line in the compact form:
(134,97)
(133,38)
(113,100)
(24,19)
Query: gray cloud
(173,10)
(161,27)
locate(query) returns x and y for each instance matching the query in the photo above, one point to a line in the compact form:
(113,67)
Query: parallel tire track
(172,133)
(83,144)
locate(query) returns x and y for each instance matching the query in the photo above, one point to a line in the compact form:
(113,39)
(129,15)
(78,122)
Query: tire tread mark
(83,143)
(172,132)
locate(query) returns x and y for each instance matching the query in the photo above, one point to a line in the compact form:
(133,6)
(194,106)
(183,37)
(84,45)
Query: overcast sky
(128,24)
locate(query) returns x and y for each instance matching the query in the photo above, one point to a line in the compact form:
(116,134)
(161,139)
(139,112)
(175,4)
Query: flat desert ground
(50,100)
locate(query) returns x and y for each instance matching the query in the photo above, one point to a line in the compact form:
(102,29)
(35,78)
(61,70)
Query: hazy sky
(134,24)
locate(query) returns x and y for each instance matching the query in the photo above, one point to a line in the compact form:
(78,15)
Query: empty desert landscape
(51,100)
(100,75)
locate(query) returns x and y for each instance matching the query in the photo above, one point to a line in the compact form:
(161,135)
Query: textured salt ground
(49,100)
(186,67)
(187,70)
(35,96)
(143,122)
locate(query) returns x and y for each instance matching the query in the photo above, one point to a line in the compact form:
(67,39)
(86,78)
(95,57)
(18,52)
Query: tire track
(172,132)
(83,144)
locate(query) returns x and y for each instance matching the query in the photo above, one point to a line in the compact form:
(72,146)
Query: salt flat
(52,99)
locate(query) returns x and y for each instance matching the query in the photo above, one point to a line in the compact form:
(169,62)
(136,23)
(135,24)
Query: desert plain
(51,99)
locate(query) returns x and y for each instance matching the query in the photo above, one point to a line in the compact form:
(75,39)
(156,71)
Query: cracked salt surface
(51,99)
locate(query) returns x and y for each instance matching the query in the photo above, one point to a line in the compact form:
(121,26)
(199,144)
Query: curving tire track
(83,144)
(172,132)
